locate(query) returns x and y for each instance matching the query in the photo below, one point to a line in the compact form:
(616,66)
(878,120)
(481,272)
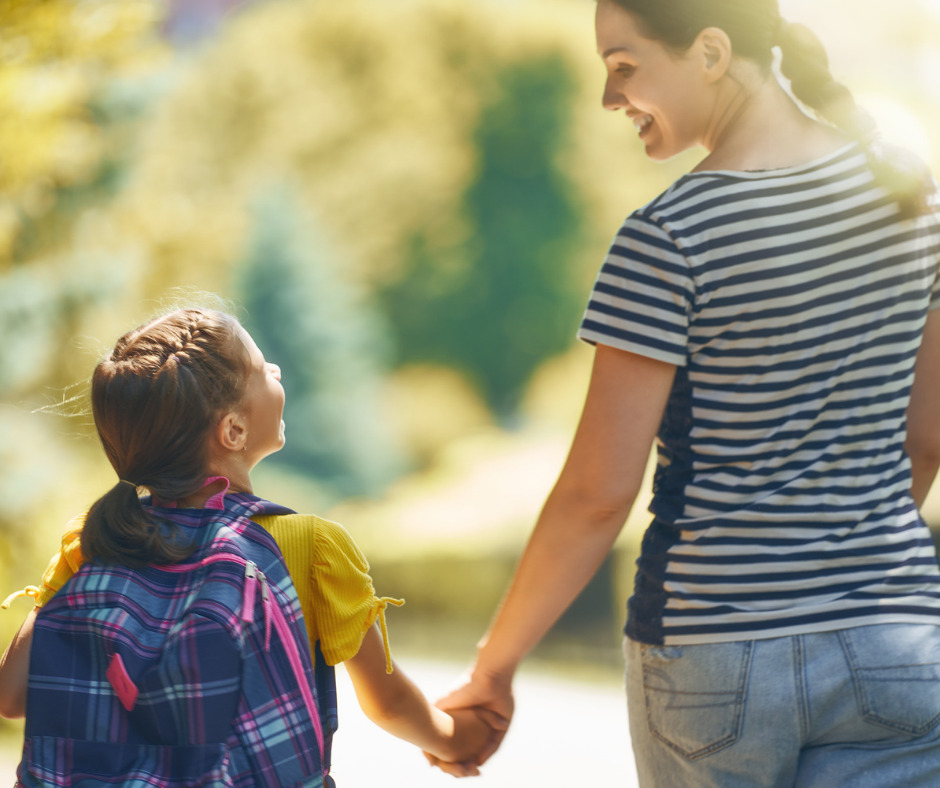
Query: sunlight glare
(931,6)
(898,124)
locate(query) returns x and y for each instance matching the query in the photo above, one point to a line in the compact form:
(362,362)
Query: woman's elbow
(923,450)
(596,504)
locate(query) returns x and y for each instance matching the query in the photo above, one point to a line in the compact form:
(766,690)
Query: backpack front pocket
(70,763)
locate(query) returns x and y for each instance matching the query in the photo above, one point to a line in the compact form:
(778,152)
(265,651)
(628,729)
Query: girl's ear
(714,48)
(232,431)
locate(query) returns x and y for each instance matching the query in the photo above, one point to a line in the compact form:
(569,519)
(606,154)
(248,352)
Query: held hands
(472,735)
(482,710)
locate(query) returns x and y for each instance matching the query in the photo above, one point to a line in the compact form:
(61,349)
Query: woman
(763,319)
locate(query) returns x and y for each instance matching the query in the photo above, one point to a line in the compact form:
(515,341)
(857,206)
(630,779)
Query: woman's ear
(232,431)
(715,51)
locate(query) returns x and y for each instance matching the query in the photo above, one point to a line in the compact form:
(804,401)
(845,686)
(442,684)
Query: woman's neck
(757,126)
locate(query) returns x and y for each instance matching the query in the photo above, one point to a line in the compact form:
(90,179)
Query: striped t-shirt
(792,303)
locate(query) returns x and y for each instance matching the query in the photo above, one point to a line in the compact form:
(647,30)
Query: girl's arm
(394,703)
(923,415)
(579,523)
(14,671)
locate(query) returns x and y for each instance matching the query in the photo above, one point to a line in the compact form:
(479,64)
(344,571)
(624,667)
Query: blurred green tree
(503,300)
(330,344)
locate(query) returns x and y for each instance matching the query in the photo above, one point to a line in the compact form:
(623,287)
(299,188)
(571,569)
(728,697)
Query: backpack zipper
(248,593)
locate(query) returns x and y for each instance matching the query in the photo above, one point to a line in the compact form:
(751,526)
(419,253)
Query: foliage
(430,139)
(503,299)
(329,344)
(57,55)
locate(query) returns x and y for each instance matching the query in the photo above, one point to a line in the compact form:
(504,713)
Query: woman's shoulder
(703,193)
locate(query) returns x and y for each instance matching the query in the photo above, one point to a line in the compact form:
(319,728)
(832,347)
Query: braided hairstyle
(755,28)
(155,398)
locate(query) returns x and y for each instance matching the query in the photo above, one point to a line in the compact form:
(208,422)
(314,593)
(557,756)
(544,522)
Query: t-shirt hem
(929,616)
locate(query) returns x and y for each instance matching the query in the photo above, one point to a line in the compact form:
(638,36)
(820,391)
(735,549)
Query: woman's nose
(612,99)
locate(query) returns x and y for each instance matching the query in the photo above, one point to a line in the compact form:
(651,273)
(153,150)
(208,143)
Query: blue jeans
(857,708)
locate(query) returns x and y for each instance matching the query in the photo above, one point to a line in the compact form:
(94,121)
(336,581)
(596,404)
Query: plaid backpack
(192,674)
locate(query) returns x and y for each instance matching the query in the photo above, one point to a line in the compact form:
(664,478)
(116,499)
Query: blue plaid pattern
(217,698)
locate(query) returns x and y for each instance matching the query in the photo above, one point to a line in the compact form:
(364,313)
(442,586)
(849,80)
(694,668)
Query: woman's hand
(477,734)
(489,698)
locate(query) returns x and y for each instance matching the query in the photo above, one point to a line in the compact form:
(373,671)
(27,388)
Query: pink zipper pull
(248,594)
(266,603)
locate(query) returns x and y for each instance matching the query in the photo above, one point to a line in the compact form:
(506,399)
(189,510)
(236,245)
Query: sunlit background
(405,201)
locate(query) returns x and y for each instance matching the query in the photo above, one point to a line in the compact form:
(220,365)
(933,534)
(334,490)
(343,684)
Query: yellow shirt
(332,579)
(329,571)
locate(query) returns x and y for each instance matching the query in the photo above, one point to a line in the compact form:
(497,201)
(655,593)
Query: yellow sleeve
(62,566)
(346,596)
(333,584)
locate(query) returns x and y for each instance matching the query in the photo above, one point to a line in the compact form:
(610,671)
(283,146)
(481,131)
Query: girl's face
(263,405)
(661,91)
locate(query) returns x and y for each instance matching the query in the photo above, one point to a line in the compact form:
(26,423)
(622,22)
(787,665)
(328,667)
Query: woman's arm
(923,412)
(14,671)
(394,703)
(580,521)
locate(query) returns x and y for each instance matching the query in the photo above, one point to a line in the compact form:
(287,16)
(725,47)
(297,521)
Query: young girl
(185,407)
(772,322)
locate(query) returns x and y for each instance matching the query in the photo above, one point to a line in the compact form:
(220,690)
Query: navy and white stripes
(792,303)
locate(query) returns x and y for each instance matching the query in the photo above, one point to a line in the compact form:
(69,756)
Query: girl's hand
(490,698)
(476,732)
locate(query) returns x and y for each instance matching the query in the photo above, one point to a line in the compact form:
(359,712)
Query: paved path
(565,733)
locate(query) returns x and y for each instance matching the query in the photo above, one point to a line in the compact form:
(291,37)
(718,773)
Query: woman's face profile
(660,90)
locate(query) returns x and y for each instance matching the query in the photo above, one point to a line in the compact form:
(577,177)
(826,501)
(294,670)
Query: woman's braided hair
(755,28)
(155,398)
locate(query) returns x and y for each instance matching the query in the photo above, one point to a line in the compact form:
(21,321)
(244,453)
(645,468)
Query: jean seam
(801,681)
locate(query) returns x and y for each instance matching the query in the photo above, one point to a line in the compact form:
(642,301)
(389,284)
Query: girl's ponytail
(805,64)
(118,530)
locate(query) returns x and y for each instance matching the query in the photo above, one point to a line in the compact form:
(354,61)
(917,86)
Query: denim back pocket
(695,695)
(896,672)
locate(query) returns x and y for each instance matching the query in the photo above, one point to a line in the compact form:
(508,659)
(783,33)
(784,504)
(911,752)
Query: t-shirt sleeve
(65,563)
(643,295)
(344,596)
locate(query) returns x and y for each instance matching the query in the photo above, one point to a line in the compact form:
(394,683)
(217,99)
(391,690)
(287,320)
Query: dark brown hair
(155,399)
(754,28)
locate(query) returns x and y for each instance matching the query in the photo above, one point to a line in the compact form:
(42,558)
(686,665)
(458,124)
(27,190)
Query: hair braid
(805,64)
